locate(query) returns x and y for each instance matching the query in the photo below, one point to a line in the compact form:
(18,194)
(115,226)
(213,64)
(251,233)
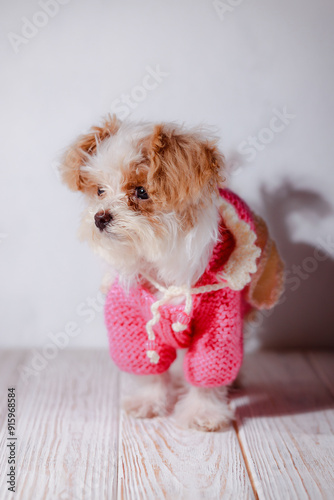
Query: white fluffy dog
(157,216)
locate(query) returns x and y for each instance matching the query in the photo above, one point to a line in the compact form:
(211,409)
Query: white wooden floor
(74,443)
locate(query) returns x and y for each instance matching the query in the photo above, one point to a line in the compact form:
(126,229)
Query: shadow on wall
(305,315)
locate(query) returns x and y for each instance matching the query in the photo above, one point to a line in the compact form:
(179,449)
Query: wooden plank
(285,423)
(67,430)
(159,460)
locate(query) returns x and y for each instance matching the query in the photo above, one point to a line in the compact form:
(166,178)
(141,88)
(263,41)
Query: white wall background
(229,70)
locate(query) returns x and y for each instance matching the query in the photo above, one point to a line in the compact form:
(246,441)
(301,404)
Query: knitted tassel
(184,318)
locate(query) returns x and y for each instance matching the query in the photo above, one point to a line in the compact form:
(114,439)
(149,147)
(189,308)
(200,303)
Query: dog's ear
(76,156)
(185,169)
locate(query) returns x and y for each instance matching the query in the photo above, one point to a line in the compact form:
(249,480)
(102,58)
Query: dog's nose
(102,219)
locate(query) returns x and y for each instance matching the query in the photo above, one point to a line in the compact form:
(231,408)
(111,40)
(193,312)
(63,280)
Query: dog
(188,261)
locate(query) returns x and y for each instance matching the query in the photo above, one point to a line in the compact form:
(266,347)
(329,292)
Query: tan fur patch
(267,283)
(184,172)
(77,155)
(136,176)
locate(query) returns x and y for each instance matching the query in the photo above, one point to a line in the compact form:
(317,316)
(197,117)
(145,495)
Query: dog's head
(148,186)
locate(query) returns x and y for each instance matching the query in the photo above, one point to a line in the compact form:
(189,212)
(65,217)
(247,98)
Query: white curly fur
(131,245)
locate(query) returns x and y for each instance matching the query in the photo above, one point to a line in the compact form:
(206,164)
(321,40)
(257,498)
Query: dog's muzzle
(102,219)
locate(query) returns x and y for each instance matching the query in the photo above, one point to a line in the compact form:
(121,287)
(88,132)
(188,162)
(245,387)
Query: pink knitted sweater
(213,331)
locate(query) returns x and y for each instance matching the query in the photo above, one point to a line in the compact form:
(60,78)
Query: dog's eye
(100,191)
(141,193)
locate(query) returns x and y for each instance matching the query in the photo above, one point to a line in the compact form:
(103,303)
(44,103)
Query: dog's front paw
(153,399)
(204,410)
(210,422)
(140,407)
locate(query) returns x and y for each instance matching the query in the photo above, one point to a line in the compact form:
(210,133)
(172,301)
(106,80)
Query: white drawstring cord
(169,293)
